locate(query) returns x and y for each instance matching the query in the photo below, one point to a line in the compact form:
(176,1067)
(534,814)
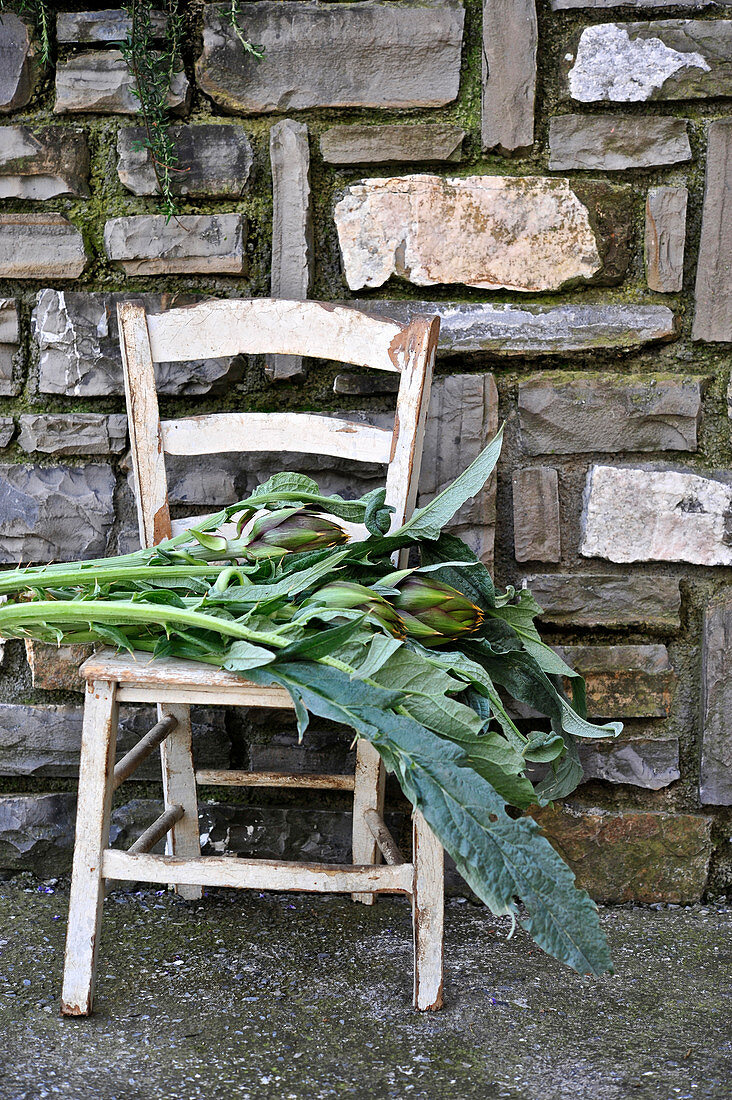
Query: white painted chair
(213,329)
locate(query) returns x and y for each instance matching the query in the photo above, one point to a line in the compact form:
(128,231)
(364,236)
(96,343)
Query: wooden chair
(224,328)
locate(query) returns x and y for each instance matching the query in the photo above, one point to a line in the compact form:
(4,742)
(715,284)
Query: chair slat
(257,326)
(259,874)
(301,432)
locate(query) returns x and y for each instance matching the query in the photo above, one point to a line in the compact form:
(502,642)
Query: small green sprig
(235,15)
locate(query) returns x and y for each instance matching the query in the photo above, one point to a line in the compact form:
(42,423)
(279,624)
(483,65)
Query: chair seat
(171,680)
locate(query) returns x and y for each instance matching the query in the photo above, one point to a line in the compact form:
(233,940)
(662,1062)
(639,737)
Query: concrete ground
(303,997)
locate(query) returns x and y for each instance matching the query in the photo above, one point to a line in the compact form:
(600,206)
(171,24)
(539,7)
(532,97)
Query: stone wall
(555,181)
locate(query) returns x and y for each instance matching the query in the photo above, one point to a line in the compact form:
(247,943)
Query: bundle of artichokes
(423,661)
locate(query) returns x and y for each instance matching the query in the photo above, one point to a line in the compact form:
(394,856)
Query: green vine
(235,14)
(153,65)
(154,70)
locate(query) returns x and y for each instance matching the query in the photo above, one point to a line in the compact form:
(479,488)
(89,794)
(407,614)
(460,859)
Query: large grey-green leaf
(427,522)
(499,857)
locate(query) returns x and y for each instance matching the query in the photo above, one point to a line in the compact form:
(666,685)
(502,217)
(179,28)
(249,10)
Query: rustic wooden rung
(258,874)
(385,841)
(131,761)
(158,829)
(229,778)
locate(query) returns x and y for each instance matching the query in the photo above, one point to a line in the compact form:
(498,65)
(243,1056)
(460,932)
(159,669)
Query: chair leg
(428,915)
(96,769)
(179,787)
(368,793)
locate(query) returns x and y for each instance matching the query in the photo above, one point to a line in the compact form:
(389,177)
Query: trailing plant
(40,13)
(235,15)
(153,67)
(153,70)
(418,660)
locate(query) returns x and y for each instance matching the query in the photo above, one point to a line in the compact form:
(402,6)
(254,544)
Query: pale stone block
(55,512)
(73,433)
(521,233)
(101,83)
(9,338)
(109,25)
(148,244)
(42,164)
(656,515)
(514,331)
(662,59)
(40,246)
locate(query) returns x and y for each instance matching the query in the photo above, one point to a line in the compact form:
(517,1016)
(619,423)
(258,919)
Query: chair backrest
(257,326)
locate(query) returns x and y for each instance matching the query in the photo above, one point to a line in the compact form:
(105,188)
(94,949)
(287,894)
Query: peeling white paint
(613,66)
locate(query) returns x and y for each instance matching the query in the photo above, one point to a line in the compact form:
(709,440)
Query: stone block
(73,433)
(148,244)
(374,384)
(656,515)
(616,142)
(367,54)
(649,764)
(321,751)
(632,855)
(525,233)
(295,833)
(56,668)
(78,342)
(662,59)
(713,291)
(7,430)
(9,343)
(110,25)
(536,514)
(715,783)
(510,36)
(55,512)
(18,67)
(462,419)
(101,83)
(608,600)
(37,832)
(624,681)
(292,230)
(40,246)
(216,161)
(42,164)
(45,740)
(559,5)
(388,143)
(665,238)
(516,331)
(570,413)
